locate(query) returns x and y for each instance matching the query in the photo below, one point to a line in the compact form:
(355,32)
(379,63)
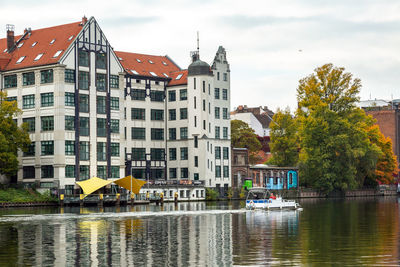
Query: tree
(284,141)
(242,136)
(336,152)
(12,137)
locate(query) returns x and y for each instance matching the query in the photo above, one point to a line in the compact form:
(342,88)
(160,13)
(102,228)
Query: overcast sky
(270,45)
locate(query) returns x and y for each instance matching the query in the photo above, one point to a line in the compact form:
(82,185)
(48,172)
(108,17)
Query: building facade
(92,111)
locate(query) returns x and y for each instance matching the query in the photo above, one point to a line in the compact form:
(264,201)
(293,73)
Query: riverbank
(12,197)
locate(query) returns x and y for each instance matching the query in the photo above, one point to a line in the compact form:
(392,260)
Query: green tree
(242,136)
(284,141)
(12,137)
(336,152)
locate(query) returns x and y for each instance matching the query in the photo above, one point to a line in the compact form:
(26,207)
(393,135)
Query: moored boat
(262,198)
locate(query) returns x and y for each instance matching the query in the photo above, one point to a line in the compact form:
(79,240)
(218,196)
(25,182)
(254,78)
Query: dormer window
(179,76)
(138,60)
(20,45)
(70,38)
(134,72)
(152,73)
(120,58)
(166,75)
(20,59)
(38,57)
(151,62)
(164,63)
(5,50)
(52,41)
(34,44)
(57,53)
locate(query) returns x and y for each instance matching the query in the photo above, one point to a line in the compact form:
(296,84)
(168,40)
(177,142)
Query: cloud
(128,20)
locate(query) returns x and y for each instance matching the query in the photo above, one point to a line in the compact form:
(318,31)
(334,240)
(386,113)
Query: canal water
(358,231)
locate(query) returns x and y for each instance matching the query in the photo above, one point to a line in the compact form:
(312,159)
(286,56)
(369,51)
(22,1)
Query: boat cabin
(274,178)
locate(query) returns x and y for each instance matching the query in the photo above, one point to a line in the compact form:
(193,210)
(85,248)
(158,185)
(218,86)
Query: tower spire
(198,43)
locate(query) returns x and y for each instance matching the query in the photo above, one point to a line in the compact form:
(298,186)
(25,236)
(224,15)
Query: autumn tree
(242,136)
(284,142)
(12,137)
(336,152)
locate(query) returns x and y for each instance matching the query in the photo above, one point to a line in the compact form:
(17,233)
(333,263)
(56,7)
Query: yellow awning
(130,183)
(91,185)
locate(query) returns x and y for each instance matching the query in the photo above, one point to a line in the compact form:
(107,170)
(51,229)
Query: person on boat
(272,196)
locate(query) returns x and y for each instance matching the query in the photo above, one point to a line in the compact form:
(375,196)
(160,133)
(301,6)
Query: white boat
(261,198)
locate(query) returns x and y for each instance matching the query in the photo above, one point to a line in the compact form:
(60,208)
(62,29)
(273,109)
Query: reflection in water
(365,231)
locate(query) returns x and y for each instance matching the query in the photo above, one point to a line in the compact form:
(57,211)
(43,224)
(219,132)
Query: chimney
(84,20)
(10,37)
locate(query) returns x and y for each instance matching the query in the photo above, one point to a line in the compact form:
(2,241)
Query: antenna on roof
(195,55)
(198,43)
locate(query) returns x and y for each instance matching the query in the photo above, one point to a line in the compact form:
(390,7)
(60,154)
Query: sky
(270,45)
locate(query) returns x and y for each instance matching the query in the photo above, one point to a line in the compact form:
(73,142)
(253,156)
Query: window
(69,148)
(153,74)
(184,132)
(194,103)
(226,152)
(28,172)
(196,161)
(83,103)
(47,99)
(114,103)
(138,153)
(157,96)
(225,113)
(157,114)
(138,114)
(225,77)
(217,152)
(225,132)
(114,81)
(47,148)
(30,123)
(102,172)
(184,173)
(83,80)
(183,94)
(196,177)
(157,153)
(184,153)
(171,96)
(217,112)
(47,123)
(172,133)
(101,127)
(46,76)
(101,82)
(39,56)
(28,101)
(69,123)
(138,133)
(225,94)
(204,105)
(70,99)
(216,93)
(172,114)
(115,172)
(218,171)
(183,113)
(20,60)
(196,142)
(179,76)
(226,171)
(101,151)
(100,60)
(194,83)
(11,98)
(30,151)
(70,171)
(83,126)
(217,133)
(172,154)
(204,86)
(204,124)
(10,81)
(114,149)
(114,125)
(47,171)
(101,105)
(57,53)
(83,58)
(83,172)
(157,134)
(218,76)
(172,173)
(195,121)
(138,94)
(83,150)
(28,78)
(69,76)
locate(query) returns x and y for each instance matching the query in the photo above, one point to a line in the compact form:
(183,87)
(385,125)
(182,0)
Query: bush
(23,195)
(211,194)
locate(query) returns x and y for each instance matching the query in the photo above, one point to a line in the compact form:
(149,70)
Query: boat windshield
(257,195)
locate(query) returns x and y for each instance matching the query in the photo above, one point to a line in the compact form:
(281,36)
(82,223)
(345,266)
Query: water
(327,232)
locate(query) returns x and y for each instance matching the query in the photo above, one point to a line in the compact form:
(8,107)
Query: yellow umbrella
(91,185)
(130,183)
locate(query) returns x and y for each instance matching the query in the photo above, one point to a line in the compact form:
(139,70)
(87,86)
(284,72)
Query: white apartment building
(92,111)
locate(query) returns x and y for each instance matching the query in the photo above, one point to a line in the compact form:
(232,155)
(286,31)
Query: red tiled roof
(181,80)
(159,65)
(43,37)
